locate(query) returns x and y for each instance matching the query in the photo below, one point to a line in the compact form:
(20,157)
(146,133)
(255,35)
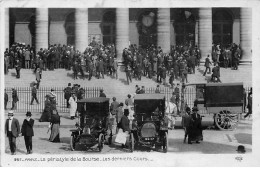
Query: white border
(169,159)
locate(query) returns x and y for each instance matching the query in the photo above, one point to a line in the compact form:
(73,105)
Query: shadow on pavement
(123,81)
(244,138)
(177,145)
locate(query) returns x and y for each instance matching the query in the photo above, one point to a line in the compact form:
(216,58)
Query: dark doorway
(222,28)
(184,27)
(70,28)
(109,27)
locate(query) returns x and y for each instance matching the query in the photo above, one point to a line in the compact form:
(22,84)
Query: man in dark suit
(27,131)
(6,99)
(216,73)
(15,99)
(207,63)
(67,94)
(34,94)
(12,129)
(18,68)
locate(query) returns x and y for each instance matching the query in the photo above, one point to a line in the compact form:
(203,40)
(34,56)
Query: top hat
(195,108)
(29,114)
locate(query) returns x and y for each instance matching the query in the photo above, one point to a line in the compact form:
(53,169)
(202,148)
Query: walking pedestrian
(15,99)
(34,94)
(207,63)
(216,73)
(55,127)
(128,74)
(17,68)
(12,129)
(67,94)
(38,77)
(27,131)
(6,100)
(73,105)
(186,120)
(249,105)
(195,131)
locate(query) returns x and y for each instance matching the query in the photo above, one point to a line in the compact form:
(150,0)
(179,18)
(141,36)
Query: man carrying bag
(124,129)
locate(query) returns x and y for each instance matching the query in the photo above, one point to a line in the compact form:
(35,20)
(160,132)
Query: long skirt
(46,116)
(55,133)
(195,134)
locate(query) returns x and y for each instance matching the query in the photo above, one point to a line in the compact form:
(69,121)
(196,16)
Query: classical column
(163,29)
(246,34)
(42,28)
(81,29)
(122,31)
(205,32)
(7,33)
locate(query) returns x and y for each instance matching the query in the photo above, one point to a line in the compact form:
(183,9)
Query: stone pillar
(42,28)
(205,32)
(122,31)
(81,29)
(197,32)
(7,32)
(246,34)
(163,29)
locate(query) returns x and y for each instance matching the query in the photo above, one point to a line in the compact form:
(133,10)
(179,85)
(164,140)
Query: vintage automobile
(220,102)
(150,125)
(93,123)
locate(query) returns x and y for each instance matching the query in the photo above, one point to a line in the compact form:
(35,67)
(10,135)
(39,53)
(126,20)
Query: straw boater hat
(10,113)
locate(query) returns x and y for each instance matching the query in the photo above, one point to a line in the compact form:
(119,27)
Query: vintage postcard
(130,83)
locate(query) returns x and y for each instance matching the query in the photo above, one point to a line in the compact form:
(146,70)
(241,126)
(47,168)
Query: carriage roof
(94,100)
(156,96)
(215,84)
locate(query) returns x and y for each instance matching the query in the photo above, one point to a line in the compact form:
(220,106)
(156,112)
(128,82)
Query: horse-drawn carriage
(222,102)
(93,123)
(150,126)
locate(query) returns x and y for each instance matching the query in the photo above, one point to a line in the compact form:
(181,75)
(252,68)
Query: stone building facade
(164,27)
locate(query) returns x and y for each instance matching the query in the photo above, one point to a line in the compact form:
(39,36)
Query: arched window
(109,27)
(222,27)
(70,28)
(184,27)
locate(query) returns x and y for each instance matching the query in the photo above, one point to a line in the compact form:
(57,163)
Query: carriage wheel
(225,120)
(165,142)
(72,142)
(131,142)
(100,142)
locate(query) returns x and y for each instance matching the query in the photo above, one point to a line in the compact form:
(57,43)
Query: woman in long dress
(73,105)
(46,114)
(55,127)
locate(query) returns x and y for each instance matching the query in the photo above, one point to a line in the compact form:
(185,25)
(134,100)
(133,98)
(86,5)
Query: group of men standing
(153,62)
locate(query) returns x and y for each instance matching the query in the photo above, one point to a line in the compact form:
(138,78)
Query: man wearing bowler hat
(12,129)
(27,131)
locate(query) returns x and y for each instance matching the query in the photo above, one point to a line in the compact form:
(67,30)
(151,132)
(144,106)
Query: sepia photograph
(129,83)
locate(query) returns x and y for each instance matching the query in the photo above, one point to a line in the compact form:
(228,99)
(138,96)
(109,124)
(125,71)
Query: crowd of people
(99,60)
